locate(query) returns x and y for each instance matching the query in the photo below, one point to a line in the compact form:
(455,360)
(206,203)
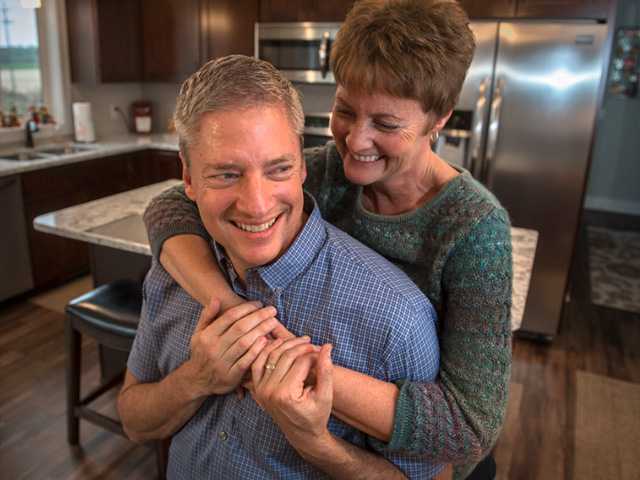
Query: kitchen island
(119,246)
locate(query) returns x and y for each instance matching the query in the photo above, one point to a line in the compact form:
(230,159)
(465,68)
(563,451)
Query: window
(42,29)
(20,73)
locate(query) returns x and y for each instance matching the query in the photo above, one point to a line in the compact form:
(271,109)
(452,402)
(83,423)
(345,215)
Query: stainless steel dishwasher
(15,262)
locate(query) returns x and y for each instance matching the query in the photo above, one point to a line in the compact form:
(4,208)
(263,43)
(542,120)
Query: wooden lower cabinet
(54,259)
(164,165)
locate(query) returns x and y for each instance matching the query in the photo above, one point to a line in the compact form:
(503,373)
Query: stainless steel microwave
(300,50)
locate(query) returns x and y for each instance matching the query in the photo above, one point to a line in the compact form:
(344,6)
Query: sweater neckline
(450,186)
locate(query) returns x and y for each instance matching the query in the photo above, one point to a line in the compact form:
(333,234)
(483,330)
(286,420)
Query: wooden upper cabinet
(104,40)
(229,27)
(591,9)
(304,10)
(489,8)
(282,10)
(172,39)
(330,11)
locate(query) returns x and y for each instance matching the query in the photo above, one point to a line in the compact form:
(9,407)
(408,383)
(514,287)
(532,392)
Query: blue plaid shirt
(326,285)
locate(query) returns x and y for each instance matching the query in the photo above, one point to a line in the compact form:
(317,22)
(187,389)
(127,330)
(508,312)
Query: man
(240,123)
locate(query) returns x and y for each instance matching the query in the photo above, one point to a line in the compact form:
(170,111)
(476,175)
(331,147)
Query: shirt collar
(300,254)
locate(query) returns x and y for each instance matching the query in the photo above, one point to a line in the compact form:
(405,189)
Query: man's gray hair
(233,82)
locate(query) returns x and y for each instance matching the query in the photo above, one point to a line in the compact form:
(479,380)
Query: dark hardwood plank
(32,406)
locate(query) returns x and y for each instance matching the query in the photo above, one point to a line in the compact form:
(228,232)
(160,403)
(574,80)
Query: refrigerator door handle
(323,54)
(494,127)
(477,127)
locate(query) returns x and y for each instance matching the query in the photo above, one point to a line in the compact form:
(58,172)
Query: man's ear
(186,178)
(303,168)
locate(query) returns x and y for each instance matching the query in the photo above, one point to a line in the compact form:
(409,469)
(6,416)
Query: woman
(399,67)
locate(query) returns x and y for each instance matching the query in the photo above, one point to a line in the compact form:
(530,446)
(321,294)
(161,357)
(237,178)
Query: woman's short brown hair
(419,49)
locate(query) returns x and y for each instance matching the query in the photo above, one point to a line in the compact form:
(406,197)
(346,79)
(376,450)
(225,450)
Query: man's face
(246,177)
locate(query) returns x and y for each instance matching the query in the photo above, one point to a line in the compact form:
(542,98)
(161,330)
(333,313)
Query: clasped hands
(247,345)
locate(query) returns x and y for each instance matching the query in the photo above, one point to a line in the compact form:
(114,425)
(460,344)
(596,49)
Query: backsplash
(102,96)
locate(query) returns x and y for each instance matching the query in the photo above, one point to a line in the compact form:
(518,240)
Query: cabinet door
(172,42)
(489,8)
(120,39)
(283,10)
(104,40)
(593,9)
(165,165)
(324,11)
(304,10)
(230,27)
(56,259)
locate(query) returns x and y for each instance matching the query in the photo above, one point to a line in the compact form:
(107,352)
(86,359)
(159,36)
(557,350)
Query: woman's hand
(280,385)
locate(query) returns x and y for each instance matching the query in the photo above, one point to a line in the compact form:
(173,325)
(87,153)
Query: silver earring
(434,136)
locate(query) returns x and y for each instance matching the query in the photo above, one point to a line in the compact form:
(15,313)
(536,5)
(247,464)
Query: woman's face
(379,137)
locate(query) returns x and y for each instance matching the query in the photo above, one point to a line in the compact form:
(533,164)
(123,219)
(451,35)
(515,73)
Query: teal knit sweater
(457,249)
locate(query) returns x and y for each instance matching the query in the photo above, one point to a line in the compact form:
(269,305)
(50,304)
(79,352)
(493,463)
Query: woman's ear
(442,121)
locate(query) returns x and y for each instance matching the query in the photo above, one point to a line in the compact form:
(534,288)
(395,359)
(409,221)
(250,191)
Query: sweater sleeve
(458,418)
(172,213)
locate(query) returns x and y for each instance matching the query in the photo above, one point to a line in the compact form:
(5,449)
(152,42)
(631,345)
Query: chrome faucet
(30,128)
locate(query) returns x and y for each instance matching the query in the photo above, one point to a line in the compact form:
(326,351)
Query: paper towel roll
(83,122)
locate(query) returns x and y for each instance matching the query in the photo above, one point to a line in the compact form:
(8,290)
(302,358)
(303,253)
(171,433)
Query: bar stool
(110,315)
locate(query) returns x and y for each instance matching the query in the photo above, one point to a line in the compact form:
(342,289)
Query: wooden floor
(537,442)
(32,407)
(538,439)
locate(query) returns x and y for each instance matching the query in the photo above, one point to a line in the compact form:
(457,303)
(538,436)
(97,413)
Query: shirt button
(223,436)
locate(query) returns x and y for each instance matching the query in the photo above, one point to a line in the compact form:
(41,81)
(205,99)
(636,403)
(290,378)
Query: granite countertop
(113,146)
(116,221)
(97,221)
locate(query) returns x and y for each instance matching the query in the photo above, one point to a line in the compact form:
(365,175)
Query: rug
(607,420)
(57,298)
(614,268)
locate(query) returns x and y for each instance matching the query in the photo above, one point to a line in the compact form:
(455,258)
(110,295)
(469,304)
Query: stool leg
(162,457)
(73,340)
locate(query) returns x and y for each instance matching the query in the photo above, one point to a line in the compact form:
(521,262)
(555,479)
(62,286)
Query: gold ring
(270,366)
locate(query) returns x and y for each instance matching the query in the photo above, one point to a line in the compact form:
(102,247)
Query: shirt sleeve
(172,213)
(458,418)
(142,362)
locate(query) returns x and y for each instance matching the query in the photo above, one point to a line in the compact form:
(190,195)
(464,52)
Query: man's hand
(230,299)
(223,348)
(279,376)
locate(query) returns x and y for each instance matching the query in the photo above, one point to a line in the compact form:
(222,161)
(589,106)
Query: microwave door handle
(323,54)
(477,127)
(494,127)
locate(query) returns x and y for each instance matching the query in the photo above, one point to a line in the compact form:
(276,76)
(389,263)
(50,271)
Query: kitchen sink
(24,156)
(67,149)
(47,152)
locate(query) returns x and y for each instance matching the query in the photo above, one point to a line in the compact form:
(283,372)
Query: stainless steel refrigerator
(523,126)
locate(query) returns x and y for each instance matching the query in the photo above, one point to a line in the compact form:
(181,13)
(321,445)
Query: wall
(102,96)
(615,168)
(163,100)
